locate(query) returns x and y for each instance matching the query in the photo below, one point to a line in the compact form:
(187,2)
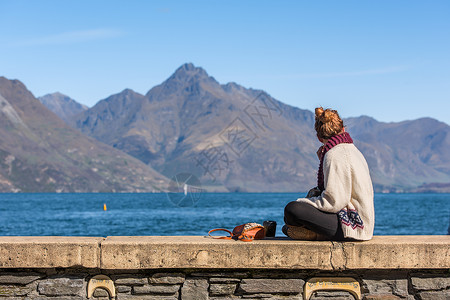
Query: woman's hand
(320,152)
(314,192)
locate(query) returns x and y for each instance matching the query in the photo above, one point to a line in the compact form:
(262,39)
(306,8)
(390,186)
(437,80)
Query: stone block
(272,297)
(123,289)
(382,297)
(435,295)
(129,280)
(64,286)
(271,286)
(257,296)
(99,292)
(430,283)
(222,289)
(195,289)
(54,298)
(155,290)
(196,252)
(221,274)
(167,278)
(50,252)
(398,287)
(143,297)
(19,278)
(14,290)
(224,280)
(399,252)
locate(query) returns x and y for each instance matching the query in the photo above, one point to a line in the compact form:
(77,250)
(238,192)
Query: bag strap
(220,237)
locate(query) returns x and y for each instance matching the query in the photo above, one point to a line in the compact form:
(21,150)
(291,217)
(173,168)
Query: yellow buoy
(104,206)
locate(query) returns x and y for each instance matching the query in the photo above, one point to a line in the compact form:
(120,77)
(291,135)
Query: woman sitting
(341,206)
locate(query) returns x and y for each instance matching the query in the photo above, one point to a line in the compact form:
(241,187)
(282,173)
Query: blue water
(156,214)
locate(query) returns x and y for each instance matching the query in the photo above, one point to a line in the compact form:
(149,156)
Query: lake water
(162,214)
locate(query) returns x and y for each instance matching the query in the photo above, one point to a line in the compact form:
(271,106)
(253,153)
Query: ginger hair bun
(328,123)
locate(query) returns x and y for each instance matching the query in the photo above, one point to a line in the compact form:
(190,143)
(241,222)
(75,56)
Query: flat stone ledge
(382,252)
(49,252)
(179,252)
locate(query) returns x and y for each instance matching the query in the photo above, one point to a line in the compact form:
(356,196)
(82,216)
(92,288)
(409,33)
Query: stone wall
(60,268)
(71,284)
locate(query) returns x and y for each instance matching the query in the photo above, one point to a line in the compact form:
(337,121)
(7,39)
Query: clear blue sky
(386,59)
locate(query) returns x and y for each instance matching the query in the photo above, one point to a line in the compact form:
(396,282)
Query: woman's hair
(328,123)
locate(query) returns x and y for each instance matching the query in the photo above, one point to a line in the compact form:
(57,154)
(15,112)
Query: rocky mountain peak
(59,94)
(126,93)
(189,73)
(12,87)
(61,98)
(190,69)
(5,81)
(187,77)
(231,86)
(62,105)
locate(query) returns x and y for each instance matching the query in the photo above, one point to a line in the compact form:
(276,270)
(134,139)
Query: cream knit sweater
(347,186)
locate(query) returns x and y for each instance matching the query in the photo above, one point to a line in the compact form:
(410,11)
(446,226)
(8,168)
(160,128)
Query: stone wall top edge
(198,252)
(387,239)
(50,239)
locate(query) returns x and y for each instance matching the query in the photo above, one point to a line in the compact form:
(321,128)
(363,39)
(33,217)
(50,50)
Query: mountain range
(408,156)
(238,139)
(41,153)
(230,137)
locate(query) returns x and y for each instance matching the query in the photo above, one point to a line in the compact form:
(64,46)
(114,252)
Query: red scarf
(333,141)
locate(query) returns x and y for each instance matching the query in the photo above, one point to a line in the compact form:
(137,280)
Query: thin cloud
(165,10)
(71,37)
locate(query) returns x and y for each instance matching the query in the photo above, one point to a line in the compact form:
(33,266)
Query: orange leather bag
(245,232)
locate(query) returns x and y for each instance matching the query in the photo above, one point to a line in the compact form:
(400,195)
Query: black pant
(303,214)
